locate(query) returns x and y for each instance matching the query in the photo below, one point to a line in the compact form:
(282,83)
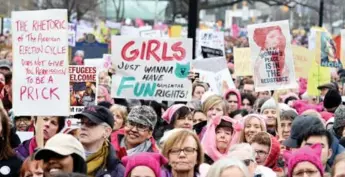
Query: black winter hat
(332,99)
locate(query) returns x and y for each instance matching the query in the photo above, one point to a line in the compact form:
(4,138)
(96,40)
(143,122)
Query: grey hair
(219,166)
(195,104)
(79,53)
(242,147)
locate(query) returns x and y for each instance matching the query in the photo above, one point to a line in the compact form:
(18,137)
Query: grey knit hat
(143,115)
(339,117)
(269,104)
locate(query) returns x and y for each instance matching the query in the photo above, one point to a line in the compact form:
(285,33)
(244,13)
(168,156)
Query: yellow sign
(243,63)
(317,76)
(302,60)
(175,31)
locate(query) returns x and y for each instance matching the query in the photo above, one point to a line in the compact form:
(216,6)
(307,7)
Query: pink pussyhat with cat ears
(310,154)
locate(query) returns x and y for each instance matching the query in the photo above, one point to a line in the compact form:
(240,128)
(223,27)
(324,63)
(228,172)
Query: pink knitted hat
(148,159)
(167,115)
(310,154)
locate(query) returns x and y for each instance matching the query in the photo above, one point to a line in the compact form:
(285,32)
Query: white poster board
(72,34)
(210,39)
(151,69)
(40,48)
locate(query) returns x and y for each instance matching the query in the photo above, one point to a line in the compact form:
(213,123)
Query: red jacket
(273,156)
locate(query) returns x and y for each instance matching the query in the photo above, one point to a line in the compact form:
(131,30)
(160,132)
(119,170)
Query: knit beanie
(143,115)
(168,114)
(332,99)
(339,117)
(154,161)
(310,154)
(269,104)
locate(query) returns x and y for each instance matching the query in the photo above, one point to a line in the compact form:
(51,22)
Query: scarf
(32,145)
(97,160)
(143,147)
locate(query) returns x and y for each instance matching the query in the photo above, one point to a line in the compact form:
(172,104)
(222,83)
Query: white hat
(61,144)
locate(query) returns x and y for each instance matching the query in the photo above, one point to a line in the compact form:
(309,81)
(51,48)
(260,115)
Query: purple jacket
(22,150)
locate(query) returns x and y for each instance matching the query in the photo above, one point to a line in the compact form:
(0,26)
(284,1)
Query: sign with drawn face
(151,69)
(271,54)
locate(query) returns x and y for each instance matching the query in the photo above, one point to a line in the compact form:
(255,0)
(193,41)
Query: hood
(301,106)
(273,156)
(208,141)
(238,94)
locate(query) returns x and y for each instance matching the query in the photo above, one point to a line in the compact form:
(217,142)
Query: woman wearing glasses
(136,136)
(185,154)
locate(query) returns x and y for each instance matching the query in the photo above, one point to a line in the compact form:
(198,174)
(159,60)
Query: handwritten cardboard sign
(317,76)
(210,39)
(40,49)
(83,87)
(271,54)
(242,61)
(214,76)
(302,60)
(151,69)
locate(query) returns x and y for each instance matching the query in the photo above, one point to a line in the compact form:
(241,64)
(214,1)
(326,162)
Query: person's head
(194,105)
(263,94)
(286,119)
(215,106)
(79,53)
(269,109)
(258,103)
(31,168)
(245,153)
(8,56)
(5,149)
(339,121)
(184,151)
(52,125)
(233,98)
(62,153)
(253,123)
(332,100)
(103,78)
(2,78)
(22,123)
(261,143)
(305,160)
(5,66)
(248,87)
(339,166)
(97,123)
(179,116)
(198,116)
(140,124)
(318,136)
(8,83)
(238,114)
(248,101)
(198,90)
(228,167)
(120,116)
(103,95)
(138,166)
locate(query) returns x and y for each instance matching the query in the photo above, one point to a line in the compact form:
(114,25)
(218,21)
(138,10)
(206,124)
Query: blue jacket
(336,148)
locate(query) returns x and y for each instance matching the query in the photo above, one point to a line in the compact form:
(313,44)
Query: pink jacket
(208,142)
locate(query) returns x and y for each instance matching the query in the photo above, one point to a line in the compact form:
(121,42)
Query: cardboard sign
(271,54)
(326,50)
(342,48)
(151,69)
(302,60)
(210,39)
(317,76)
(242,62)
(96,62)
(151,33)
(72,35)
(214,76)
(40,48)
(83,87)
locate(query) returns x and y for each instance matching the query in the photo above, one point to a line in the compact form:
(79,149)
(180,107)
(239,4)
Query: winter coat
(114,167)
(10,167)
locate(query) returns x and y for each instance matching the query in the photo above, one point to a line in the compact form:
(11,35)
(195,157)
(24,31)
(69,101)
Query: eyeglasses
(140,127)
(186,150)
(308,172)
(261,153)
(247,161)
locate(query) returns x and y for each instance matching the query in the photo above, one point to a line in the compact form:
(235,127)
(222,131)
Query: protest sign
(151,33)
(129,31)
(302,60)
(342,47)
(271,55)
(212,42)
(96,62)
(326,50)
(176,31)
(151,69)
(215,72)
(317,76)
(107,63)
(242,62)
(40,48)
(72,28)
(91,49)
(83,87)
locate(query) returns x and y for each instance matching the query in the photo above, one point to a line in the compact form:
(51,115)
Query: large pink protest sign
(40,64)
(271,55)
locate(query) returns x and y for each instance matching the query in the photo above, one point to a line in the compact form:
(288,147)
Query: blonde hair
(212,101)
(219,166)
(245,122)
(180,137)
(119,109)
